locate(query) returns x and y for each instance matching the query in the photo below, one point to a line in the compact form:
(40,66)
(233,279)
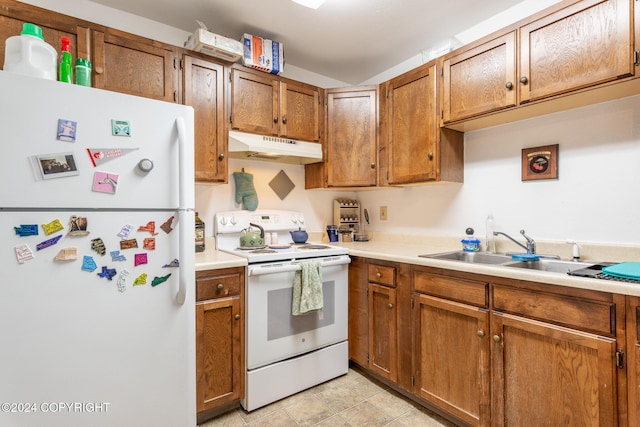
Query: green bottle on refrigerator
(66,68)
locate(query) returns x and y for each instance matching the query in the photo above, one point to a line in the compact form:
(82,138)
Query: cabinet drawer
(210,286)
(578,313)
(462,290)
(382,274)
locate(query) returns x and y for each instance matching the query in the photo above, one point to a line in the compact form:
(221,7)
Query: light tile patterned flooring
(352,400)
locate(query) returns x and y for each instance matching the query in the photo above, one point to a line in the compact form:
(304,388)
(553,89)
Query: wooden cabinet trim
(455,289)
(582,314)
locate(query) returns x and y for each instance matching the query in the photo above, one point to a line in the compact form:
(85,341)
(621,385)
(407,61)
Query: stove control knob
(223,221)
(301,219)
(233,220)
(294,219)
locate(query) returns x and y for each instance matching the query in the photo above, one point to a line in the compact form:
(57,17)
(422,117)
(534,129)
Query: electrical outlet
(383,213)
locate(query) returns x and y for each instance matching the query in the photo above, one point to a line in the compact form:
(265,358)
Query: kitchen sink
(549,264)
(555,266)
(472,257)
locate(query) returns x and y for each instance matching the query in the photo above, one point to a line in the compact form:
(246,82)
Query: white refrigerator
(97,316)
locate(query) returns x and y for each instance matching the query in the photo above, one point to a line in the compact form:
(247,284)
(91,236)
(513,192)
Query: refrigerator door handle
(183,180)
(181,296)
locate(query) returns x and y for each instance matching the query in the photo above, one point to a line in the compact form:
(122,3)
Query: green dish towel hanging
(245,191)
(307,288)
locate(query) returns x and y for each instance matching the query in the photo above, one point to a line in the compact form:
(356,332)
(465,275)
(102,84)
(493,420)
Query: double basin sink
(543,264)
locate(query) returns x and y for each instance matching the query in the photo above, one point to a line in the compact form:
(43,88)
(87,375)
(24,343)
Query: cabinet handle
(220,286)
(378,275)
(275,120)
(221,156)
(480,333)
(99,70)
(430,156)
(496,338)
(509,85)
(373,165)
(390,305)
(237,317)
(524,80)
(284,120)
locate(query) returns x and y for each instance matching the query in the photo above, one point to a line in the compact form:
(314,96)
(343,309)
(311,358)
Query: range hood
(271,148)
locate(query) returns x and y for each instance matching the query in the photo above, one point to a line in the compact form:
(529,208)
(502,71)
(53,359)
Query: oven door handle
(278,268)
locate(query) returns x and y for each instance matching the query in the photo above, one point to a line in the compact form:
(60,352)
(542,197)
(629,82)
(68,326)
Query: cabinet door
(218,353)
(300,111)
(412,128)
(545,374)
(382,331)
(133,66)
(53,27)
(358,312)
(633,359)
(203,90)
(480,80)
(351,138)
(254,103)
(452,358)
(585,44)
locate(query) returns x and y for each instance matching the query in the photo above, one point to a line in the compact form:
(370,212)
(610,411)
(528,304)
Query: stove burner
(249,248)
(310,246)
(263,251)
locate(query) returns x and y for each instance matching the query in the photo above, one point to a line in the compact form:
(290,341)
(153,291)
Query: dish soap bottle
(470,243)
(66,70)
(199,234)
(490,242)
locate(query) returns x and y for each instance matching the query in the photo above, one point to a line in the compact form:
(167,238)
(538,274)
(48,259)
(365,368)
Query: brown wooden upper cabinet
(129,64)
(203,89)
(480,80)
(266,104)
(14,14)
(584,44)
(351,137)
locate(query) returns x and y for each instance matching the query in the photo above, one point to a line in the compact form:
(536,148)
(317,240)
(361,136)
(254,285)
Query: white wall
(317,205)
(596,198)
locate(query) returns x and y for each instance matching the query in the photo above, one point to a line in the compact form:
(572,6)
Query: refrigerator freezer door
(70,336)
(72,146)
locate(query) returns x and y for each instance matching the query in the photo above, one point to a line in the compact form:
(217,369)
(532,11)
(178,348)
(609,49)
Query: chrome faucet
(531,244)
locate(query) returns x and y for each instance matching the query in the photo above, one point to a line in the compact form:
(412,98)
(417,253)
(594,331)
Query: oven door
(273,333)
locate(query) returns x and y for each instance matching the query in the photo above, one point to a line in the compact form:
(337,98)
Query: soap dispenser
(470,243)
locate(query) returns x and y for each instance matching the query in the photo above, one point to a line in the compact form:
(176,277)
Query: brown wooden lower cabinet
(490,351)
(543,372)
(633,357)
(452,358)
(451,346)
(219,340)
(380,319)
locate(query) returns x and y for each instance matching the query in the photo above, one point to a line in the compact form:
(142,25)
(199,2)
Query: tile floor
(350,400)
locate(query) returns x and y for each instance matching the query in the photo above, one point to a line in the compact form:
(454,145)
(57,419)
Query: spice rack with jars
(346,215)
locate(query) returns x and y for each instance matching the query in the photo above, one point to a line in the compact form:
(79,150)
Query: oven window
(281,323)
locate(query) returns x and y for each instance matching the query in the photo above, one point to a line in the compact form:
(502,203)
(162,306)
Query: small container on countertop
(470,243)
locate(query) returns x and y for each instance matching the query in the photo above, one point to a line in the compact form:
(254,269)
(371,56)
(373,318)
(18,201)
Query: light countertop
(212,259)
(409,253)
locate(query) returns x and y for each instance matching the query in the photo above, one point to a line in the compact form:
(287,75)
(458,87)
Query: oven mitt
(245,192)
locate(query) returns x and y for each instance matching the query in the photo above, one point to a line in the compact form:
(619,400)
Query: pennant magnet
(99,156)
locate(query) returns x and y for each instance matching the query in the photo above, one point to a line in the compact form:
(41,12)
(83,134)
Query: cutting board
(627,270)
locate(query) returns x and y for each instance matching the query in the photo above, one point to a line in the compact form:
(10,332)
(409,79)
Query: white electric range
(286,353)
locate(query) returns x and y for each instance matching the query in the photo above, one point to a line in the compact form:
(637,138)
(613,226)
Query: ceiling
(346,40)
